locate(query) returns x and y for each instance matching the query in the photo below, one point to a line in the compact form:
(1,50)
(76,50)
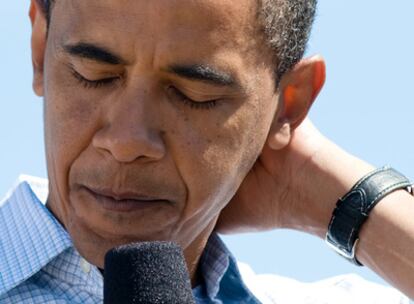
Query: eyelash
(96,84)
(93,84)
(198,105)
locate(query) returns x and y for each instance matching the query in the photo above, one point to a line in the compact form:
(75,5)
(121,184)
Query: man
(156,112)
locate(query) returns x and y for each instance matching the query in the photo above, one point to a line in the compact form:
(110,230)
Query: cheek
(71,120)
(218,153)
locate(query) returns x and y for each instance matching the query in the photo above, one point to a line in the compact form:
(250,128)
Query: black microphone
(148,272)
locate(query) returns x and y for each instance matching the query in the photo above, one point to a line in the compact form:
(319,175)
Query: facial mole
(163,133)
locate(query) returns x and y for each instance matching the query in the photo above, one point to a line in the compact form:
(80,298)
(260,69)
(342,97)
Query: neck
(194,251)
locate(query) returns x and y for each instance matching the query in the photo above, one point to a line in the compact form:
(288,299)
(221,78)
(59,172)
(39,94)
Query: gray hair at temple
(286,24)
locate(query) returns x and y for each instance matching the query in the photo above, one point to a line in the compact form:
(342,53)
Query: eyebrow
(205,74)
(198,72)
(93,52)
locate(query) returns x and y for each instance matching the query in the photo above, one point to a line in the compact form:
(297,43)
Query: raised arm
(298,186)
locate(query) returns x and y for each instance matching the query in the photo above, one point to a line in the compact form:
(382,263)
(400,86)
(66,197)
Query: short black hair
(286,25)
(46,6)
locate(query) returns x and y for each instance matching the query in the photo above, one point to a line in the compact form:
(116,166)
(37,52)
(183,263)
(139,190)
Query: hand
(268,192)
(296,187)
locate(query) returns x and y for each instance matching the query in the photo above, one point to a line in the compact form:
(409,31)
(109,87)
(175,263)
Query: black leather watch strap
(353,209)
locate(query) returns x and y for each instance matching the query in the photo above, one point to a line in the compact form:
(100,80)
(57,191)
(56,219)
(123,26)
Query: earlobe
(38,44)
(298,90)
(280,139)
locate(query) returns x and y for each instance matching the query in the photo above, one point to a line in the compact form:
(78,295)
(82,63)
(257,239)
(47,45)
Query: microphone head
(148,272)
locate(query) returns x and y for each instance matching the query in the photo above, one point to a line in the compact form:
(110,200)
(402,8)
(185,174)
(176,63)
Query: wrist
(328,175)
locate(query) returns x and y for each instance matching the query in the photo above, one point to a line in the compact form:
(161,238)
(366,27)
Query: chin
(93,243)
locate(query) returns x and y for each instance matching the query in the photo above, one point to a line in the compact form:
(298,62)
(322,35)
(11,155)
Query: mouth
(124,202)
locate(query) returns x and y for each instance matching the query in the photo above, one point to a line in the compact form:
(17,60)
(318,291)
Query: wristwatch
(352,210)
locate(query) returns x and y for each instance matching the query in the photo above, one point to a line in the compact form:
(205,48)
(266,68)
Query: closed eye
(93,84)
(174,93)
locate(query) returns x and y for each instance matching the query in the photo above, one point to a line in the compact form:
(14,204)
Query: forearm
(386,239)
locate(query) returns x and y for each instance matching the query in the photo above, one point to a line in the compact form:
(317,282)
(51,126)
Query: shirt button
(86,267)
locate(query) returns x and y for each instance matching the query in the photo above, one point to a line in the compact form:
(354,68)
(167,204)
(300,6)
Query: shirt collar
(214,263)
(30,236)
(222,279)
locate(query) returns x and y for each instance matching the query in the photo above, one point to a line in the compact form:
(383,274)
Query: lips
(124,201)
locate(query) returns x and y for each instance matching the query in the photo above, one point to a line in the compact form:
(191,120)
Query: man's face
(154,113)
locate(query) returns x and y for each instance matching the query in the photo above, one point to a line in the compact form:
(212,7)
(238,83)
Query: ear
(39,33)
(298,90)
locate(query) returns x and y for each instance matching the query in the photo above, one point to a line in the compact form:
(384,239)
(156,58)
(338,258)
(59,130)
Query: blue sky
(366,107)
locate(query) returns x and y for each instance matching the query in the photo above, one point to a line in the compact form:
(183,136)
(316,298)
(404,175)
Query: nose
(131,133)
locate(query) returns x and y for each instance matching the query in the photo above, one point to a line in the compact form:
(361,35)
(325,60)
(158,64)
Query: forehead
(159,33)
(213,21)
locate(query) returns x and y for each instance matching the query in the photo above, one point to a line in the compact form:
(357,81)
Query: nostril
(130,145)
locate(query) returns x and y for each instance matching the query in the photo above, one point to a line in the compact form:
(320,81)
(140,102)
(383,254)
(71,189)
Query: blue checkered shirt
(39,264)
